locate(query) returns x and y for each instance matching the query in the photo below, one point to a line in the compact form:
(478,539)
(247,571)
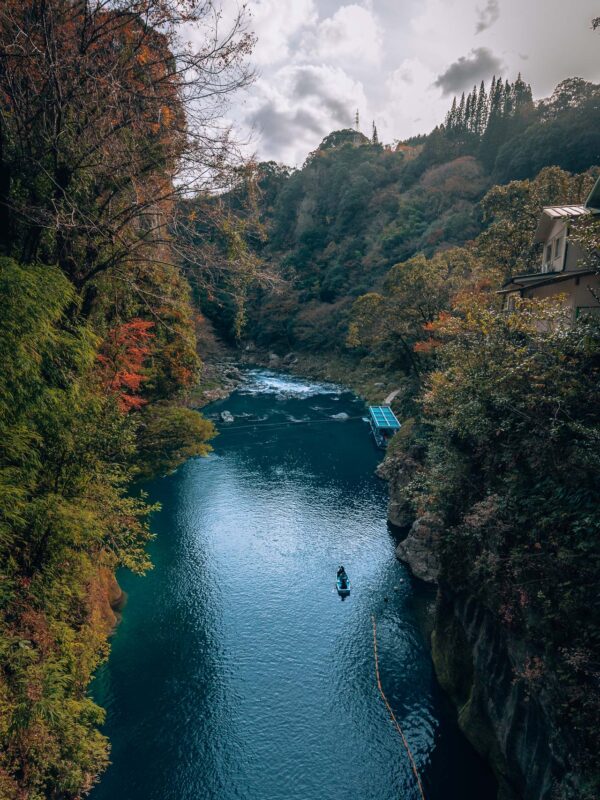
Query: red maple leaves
(122,358)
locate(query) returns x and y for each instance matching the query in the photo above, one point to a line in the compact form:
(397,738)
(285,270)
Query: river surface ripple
(237,671)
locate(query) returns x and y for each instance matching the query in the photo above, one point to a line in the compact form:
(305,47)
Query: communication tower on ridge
(356,119)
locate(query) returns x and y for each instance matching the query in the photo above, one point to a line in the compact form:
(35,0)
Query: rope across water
(287,423)
(392,715)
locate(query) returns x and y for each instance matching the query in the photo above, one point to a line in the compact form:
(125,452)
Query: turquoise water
(237,671)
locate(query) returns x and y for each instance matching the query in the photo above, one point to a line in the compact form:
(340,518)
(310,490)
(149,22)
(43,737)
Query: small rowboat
(343,584)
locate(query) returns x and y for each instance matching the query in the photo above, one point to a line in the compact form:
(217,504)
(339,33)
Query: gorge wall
(478,664)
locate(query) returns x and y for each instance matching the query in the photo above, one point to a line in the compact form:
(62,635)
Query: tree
(122,357)
(481,111)
(511,214)
(390,324)
(522,96)
(451,117)
(108,116)
(495,131)
(468,113)
(169,435)
(568,94)
(66,456)
(569,140)
(461,114)
(108,120)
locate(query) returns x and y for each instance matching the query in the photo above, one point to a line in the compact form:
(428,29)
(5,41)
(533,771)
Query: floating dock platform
(384,424)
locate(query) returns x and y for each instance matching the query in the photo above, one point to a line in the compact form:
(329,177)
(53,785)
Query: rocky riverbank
(220,377)
(365,381)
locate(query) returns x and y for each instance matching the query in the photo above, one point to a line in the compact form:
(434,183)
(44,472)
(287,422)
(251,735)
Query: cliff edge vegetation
(101,111)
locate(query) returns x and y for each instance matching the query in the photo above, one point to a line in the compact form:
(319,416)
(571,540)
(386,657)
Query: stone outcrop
(477,663)
(398,470)
(106,600)
(420,548)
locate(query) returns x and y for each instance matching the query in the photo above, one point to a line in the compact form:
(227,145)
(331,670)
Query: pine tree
(460,117)
(468,114)
(494,135)
(521,107)
(522,94)
(474,100)
(509,104)
(491,94)
(375,137)
(481,112)
(451,117)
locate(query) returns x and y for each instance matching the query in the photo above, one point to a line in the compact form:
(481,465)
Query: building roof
(535,279)
(551,213)
(384,417)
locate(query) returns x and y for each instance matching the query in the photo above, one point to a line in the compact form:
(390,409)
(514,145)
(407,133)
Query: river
(237,671)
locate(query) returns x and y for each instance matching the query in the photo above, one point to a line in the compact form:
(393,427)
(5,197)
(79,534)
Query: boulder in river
(226,416)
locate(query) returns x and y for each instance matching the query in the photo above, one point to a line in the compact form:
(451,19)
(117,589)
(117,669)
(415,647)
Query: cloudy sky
(399,62)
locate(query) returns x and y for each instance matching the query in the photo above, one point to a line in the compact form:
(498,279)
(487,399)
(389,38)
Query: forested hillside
(100,133)
(333,228)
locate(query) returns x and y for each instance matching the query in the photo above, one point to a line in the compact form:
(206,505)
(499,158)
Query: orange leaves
(426,347)
(166,116)
(144,54)
(438,326)
(122,359)
(184,376)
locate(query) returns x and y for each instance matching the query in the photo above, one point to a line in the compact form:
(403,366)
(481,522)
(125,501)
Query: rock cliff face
(478,663)
(398,471)
(106,600)
(419,549)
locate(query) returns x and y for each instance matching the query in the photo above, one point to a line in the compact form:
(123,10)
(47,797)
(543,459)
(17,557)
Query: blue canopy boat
(384,424)
(343,584)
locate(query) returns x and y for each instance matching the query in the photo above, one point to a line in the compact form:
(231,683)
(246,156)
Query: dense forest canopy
(332,229)
(107,119)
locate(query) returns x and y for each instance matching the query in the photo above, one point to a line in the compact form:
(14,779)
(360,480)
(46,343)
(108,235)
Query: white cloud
(410,106)
(276,24)
(352,33)
(292,113)
(320,59)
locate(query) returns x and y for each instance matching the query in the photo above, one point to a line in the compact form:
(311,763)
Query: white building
(562,266)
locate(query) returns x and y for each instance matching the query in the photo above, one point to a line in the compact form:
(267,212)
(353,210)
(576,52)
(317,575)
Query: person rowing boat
(343,581)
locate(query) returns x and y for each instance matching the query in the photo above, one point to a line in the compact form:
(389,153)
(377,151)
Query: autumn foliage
(108,115)
(122,358)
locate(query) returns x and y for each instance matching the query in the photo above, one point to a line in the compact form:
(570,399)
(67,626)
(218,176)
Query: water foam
(264,381)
